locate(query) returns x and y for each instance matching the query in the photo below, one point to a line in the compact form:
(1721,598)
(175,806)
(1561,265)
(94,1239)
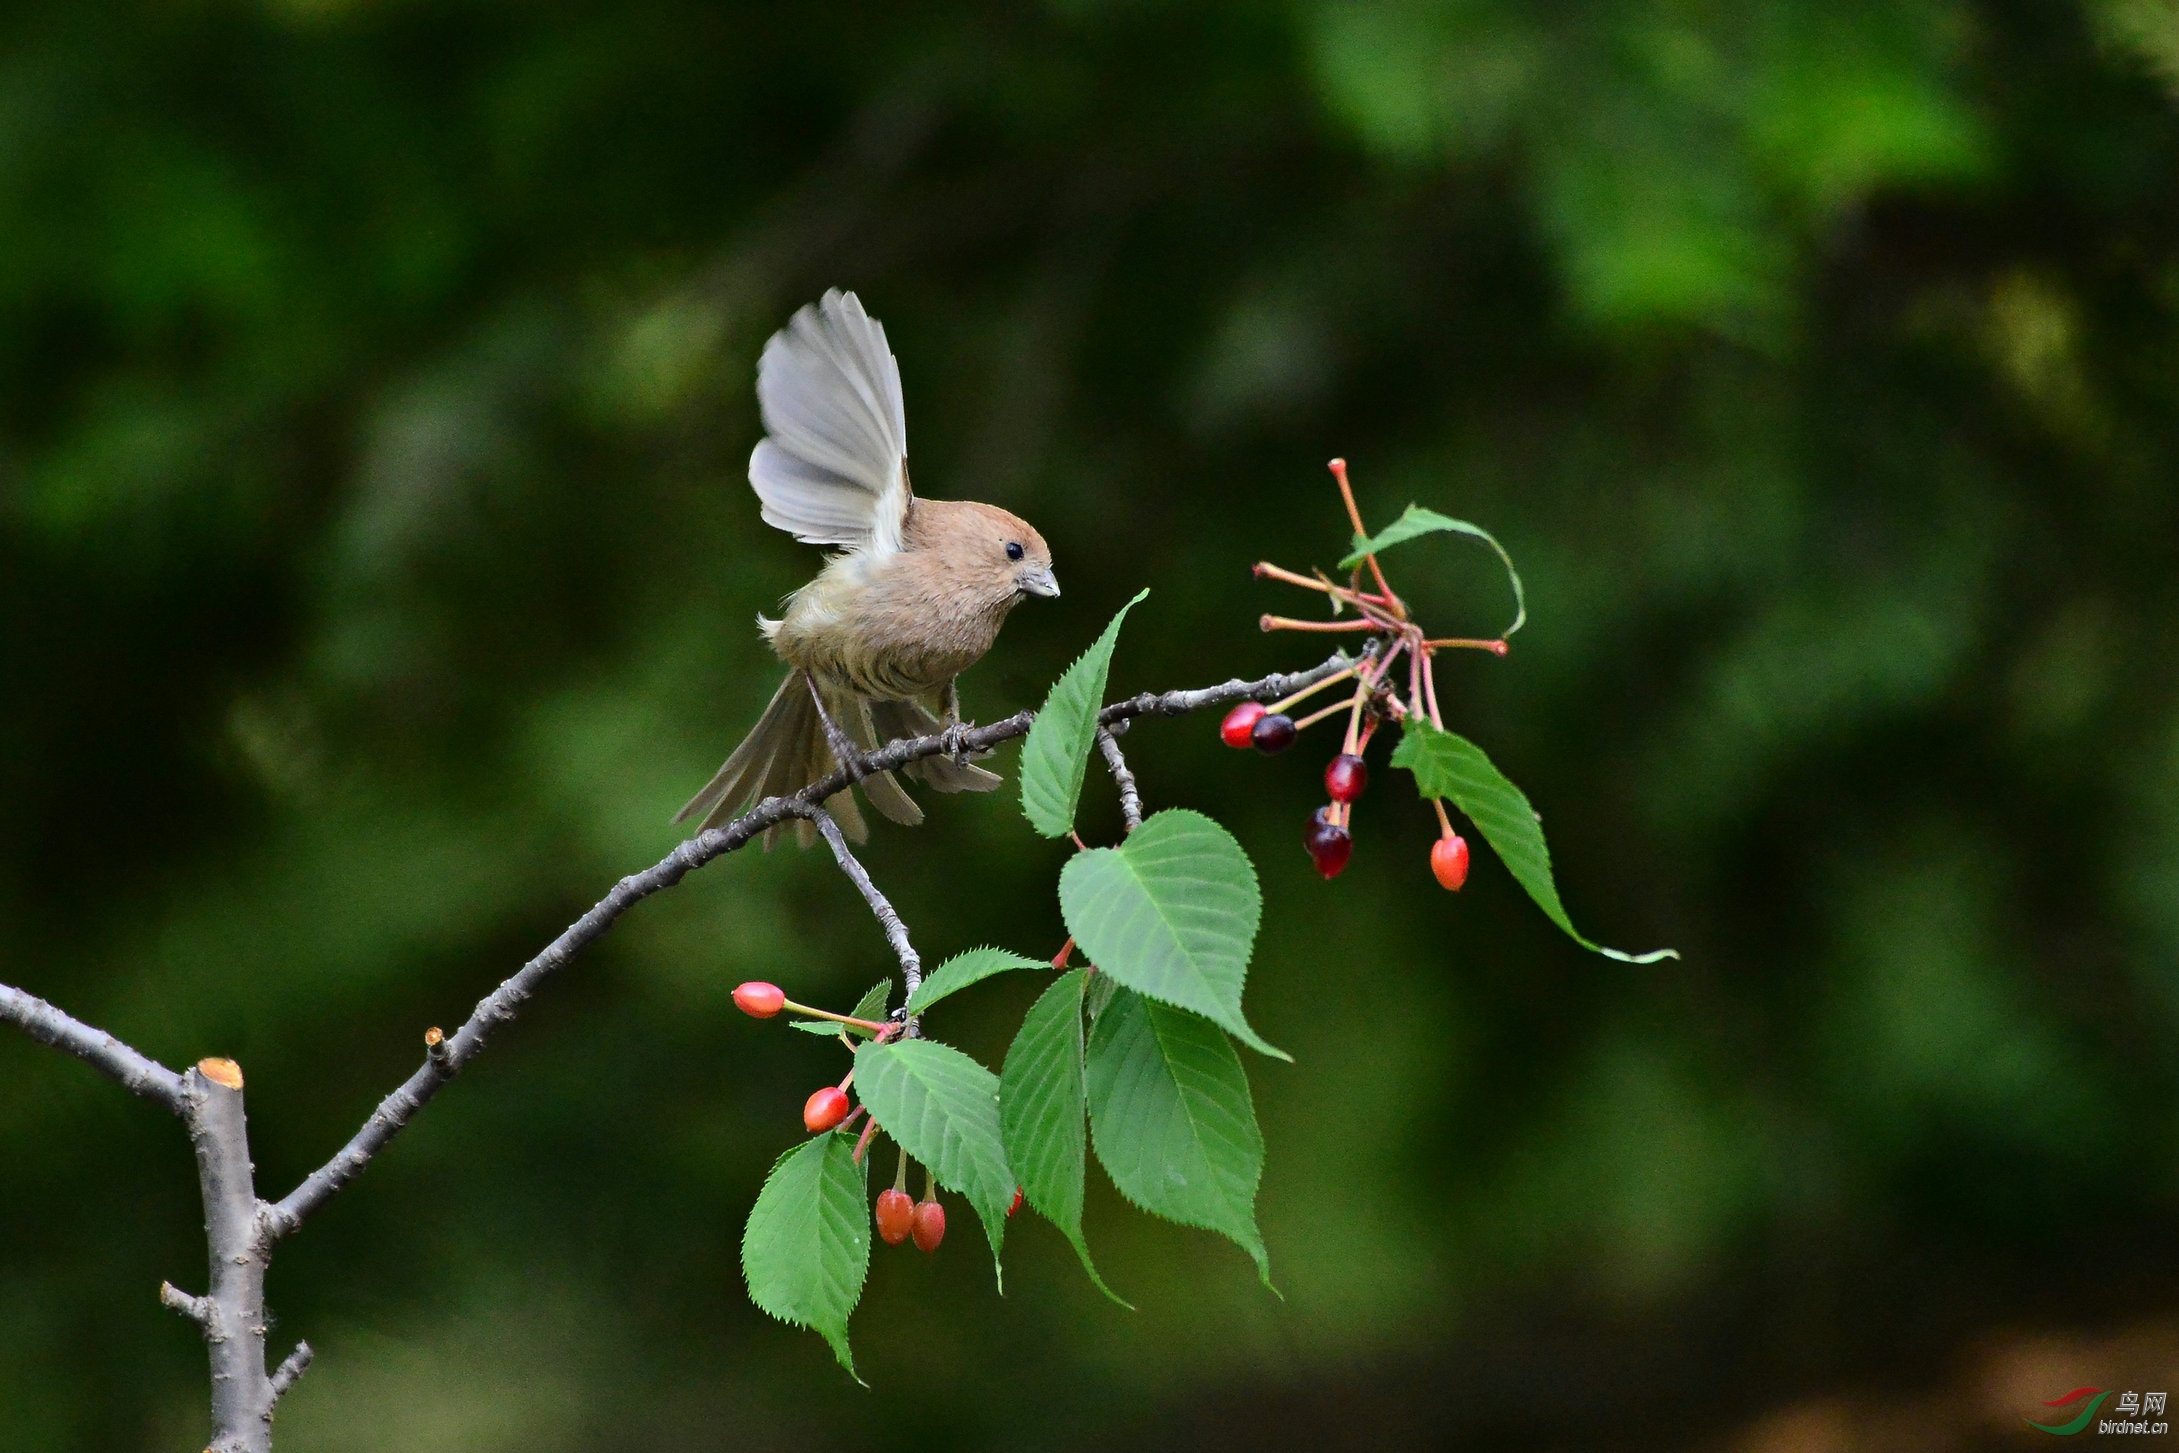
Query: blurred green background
(375,393)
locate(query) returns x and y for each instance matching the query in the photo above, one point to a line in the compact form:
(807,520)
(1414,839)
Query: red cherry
(1015,1205)
(1449,861)
(895,1216)
(1234,730)
(824,1109)
(930,1226)
(758,999)
(1272,734)
(1346,777)
(1328,843)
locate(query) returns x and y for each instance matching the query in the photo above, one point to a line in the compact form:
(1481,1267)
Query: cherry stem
(930,1184)
(848,1081)
(1384,662)
(870,1024)
(862,1142)
(1288,623)
(1445,824)
(900,1174)
(1338,706)
(1346,495)
(1308,691)
(1264,569)
(1430,688)
(1461,643)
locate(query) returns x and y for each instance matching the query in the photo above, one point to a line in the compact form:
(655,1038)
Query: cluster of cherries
(1328,839)
(898,1216)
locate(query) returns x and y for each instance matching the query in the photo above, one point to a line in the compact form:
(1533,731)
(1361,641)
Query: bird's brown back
(901,626)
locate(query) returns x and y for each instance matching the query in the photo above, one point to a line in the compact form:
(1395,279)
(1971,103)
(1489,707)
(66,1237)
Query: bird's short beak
(1041,582)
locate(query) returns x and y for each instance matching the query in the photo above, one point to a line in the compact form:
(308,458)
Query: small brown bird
(915,597)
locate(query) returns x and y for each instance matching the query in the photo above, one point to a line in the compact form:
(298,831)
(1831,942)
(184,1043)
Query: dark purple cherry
(1328,843)
(1272,734)
(1346,777)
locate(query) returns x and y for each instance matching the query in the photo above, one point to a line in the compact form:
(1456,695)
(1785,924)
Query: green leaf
(1174,1125)
(1042,1101)
(964,969)
(807,1245)
(943,1109)
(1171,912)
(1418,522)
(1455,769)
(871,1005)
(1057,752)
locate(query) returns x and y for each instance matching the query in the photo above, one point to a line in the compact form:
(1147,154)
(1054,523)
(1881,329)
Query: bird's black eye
(1013,549)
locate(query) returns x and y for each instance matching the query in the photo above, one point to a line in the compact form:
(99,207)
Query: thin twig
(137,1073)
(174,1299)
(291,1367)
(1122,778)
(896,932)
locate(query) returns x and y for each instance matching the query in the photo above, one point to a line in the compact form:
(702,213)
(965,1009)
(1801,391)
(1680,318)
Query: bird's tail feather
(786,751)
(890,719)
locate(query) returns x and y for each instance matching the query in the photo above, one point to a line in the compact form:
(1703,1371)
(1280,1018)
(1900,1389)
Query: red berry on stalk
(825,1109)
(930,1226)
(1234,730)
(1328,843)
(758,999)
(1015,1205)
(1449,861)
(895,1216)
(1272,734)
(1346,777)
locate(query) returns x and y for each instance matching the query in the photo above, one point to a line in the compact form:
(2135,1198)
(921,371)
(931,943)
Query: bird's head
(998,556)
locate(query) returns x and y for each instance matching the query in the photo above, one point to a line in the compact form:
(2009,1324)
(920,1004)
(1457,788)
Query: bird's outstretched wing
(834,467)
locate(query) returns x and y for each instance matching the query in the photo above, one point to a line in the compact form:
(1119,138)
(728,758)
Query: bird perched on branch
(915,596)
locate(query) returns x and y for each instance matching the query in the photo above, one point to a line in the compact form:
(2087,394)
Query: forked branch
(241,1230)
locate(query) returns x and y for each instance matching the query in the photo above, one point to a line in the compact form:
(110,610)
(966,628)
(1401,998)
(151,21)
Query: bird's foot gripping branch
(1131,1049)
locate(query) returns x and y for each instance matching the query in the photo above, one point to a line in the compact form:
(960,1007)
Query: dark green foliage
(375,395)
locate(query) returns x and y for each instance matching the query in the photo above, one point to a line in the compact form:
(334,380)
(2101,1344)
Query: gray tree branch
(896,932)
(139,1074)
(1108,745)
(235,1237)
(294,1365)
(505,1002)
(241,1230)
